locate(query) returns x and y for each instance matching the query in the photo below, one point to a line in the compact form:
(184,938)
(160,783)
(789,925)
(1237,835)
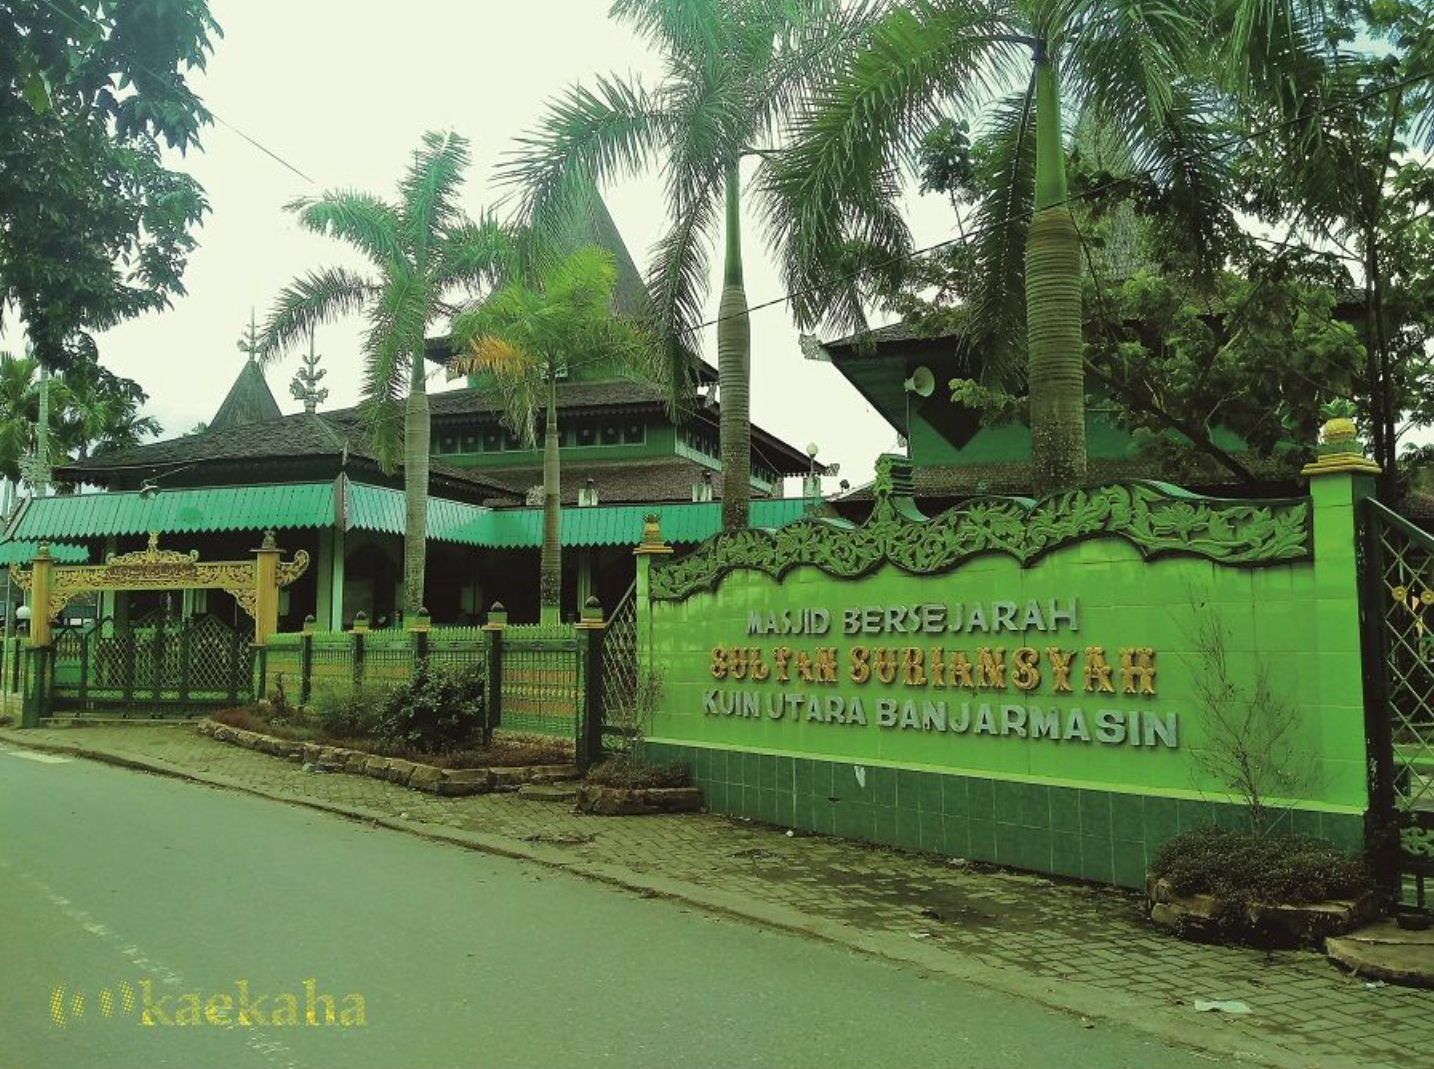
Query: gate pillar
(266,594)
(1346,613)
(42,576)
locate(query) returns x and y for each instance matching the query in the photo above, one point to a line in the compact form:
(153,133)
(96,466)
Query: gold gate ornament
(255,584)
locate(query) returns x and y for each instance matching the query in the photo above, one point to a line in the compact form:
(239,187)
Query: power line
(212,114)
(970,237)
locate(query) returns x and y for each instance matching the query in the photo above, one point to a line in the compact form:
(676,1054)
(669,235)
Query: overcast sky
(343,91)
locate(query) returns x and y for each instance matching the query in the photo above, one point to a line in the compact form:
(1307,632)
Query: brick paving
(1045,929)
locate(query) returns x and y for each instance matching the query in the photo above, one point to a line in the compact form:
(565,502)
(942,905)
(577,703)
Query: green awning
(378,508)
(24,553)
(219,508)
(366,508)
(621,525)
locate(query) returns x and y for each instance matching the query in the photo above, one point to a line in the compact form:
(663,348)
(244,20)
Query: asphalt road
(115,881)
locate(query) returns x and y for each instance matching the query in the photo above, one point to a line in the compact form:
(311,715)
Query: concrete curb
(1183,1029)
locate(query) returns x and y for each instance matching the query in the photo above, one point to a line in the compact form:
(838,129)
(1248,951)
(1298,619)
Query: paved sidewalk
(1069,945)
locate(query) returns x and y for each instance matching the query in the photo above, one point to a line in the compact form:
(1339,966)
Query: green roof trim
(380,509)
(365,508)
(219,508)
(24,552)
(621,525)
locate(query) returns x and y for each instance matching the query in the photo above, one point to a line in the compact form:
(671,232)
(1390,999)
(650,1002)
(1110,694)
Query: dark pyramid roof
(303,435)
(249,401)
(590,225)
(596,227)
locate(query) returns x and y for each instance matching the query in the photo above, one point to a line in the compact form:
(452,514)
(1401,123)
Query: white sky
(343,91)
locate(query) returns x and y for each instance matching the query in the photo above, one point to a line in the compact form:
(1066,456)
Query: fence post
(651,548)
(261,672)
(85,637)
(306,661)
(39,672)
(590,629)
(420,626)
(156,659)
(493,699)
(186,655)
(360,630)
(1349,616)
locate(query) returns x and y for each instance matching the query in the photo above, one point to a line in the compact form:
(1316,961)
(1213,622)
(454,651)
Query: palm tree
(19,412)
(88,409)
(733,68)
(1128,65)
(98,410)
(527,337)
(422,249)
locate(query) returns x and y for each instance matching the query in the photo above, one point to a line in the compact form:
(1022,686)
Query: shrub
(440,709)
(348,711)
(625,772)
(1240,868)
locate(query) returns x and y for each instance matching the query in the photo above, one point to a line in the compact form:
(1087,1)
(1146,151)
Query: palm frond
(587,137)
(678,283)
(392,357)
(429,188)
(994,332)
(812,39)
(366,222)
(309,302)
(1129,55)
(1179,152)
(1125,66)
(690,27)
(839,182)
(473,254)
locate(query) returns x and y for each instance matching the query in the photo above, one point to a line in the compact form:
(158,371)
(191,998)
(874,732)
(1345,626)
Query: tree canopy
(94,228)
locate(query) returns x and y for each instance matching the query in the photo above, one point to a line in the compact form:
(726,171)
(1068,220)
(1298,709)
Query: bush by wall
(1240,868)
(439,709)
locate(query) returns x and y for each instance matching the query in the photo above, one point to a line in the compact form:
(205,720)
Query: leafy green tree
(422,249)
(1349,179)
(91,409)
(100,411)
(732,70)
(1137,69)
(95,228)
(526,338)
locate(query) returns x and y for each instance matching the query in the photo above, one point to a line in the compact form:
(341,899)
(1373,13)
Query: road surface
(140,917)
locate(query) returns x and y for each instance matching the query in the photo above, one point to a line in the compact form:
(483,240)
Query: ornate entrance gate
(156,666)
(151,664)
(1399,627)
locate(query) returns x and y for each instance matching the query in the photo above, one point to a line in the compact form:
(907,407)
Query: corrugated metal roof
(24,552)
(220,508)
(368,508)
(378,508)
(621,525)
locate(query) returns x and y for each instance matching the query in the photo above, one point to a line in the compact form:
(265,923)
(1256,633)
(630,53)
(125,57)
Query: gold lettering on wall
(1137,669)
(1097,671)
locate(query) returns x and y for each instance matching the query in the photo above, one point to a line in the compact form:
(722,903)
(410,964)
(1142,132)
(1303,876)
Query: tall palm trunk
(1053,305)
(550,568)
(416,435)
(734,370)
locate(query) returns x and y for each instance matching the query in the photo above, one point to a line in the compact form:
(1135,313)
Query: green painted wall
(1296,620)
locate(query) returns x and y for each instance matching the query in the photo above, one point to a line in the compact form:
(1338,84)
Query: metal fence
(153,667)
(621,690)
(539,679)
(541,692)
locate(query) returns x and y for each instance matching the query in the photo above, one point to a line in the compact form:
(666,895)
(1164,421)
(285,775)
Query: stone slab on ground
(1085,948)
(548,792)
(1385,951)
